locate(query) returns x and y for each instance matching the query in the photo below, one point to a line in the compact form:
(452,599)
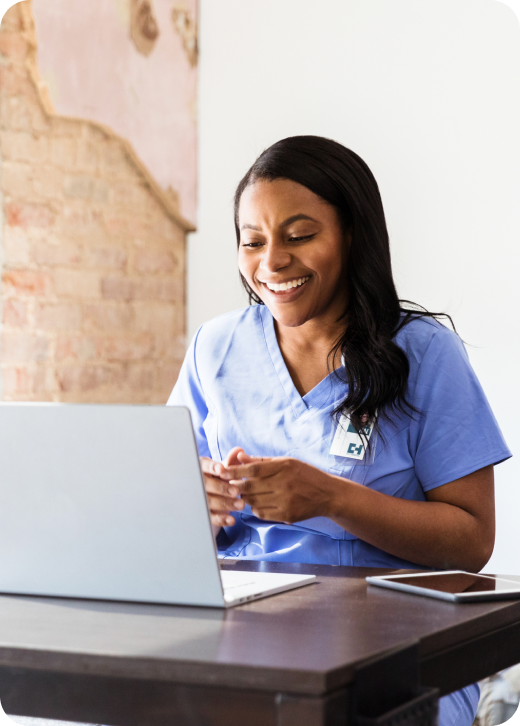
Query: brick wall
(93,278)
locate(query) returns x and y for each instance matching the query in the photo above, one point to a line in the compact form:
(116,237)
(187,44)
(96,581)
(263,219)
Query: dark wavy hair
(375,368)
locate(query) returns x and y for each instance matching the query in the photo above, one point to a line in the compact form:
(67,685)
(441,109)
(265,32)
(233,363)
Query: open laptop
(108,502)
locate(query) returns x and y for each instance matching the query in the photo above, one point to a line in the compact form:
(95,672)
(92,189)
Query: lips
(286,286)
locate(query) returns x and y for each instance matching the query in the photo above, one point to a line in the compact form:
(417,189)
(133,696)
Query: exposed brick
(55,254)
(114,161)
(108,316)
(65,126)
(141,377)
(87,156)
(29,215)
(26,282)
(63,151)
(78,348)
(133,196)
(12,21)
(14,81)
(120,224)
(13,46)
(23,146)
(76,283)
(17,179)
(162,227)
(23,347)
(160,318)
(114,258)
(93,293)
(44,382)
(169,347)
(47,182)
(167,377)
(15,313)
(15,115)
(16,247)
(153,261)
(84,378)
(87,188)
(127,348)
(126,288)
(83,221)
(61,316)
(93,133)
(16,381)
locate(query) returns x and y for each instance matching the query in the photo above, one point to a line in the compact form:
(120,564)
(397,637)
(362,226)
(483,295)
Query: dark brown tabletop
(308,642)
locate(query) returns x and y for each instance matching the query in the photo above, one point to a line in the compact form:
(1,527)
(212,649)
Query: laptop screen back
(104,502)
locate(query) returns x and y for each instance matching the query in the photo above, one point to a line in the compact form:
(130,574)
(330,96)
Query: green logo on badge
(353,449)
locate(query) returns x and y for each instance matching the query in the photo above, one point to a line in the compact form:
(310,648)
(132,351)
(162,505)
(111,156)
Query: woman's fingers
(220,509)
(224,504)
(222,488)
(222,520)
(214,468)
(222,495)
(232,459)
(257,469)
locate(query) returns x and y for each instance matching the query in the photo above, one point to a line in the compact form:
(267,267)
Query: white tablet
(452,585)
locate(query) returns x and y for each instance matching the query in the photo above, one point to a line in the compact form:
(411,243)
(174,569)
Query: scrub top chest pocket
(350,452)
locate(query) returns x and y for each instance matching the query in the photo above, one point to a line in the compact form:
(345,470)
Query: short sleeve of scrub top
(236,384)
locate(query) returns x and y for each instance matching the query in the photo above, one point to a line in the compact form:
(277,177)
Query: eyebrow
(286,223)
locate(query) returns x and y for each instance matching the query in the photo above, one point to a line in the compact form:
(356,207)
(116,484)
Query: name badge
(347,442)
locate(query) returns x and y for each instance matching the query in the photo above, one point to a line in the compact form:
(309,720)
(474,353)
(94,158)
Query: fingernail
(238,504)
(233,491)
(230,520)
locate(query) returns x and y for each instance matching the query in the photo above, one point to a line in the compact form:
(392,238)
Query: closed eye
(301,239)
(251,244)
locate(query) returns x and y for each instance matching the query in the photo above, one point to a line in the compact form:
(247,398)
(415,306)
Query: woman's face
(292,252)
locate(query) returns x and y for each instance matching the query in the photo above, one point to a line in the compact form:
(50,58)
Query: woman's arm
(454,528)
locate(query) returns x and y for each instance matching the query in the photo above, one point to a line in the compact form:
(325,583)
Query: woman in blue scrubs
(337,424)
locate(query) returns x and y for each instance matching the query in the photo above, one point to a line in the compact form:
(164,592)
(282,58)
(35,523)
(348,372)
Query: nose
(274,257)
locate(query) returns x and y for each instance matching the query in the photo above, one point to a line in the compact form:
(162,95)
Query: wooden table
(293,659)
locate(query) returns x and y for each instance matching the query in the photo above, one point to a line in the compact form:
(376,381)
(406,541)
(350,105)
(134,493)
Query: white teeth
(286,285)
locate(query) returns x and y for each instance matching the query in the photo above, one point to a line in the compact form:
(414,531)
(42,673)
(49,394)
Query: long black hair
(375,368)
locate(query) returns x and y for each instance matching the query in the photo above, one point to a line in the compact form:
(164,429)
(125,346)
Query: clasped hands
(279,489)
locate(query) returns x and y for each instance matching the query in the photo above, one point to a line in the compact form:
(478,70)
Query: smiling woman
(336,423)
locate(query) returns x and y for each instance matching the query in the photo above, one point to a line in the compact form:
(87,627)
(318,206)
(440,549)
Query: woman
(336,425)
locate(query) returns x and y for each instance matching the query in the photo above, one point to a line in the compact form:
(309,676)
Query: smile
(297,282)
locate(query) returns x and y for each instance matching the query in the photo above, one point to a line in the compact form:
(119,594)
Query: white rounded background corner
(513,4)
(5,5)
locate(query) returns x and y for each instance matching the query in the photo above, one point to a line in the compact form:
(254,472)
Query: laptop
(108,502)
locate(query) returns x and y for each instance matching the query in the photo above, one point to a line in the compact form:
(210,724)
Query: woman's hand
(222,495)
(281,489)
(453,529)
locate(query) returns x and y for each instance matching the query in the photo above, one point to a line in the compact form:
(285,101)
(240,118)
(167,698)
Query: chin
(288,321)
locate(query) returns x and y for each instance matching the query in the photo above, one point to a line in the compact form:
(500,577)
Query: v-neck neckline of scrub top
(300,404)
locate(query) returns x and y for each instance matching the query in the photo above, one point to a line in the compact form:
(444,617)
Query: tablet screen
(455,582)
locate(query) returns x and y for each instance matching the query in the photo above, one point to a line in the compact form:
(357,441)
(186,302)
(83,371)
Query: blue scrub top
(240,393)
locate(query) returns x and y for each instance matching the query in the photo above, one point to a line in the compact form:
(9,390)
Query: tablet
(452,585)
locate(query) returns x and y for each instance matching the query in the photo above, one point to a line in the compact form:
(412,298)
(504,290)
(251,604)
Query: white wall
(428,93)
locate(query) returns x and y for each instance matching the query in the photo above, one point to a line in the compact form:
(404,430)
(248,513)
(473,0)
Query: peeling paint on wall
(144,29)
(186,26)
(93,70)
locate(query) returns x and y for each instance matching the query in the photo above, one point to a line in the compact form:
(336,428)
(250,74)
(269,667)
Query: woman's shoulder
(213,334)
(424,335)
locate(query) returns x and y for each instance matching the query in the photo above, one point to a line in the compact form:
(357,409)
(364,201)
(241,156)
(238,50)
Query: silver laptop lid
(104,502)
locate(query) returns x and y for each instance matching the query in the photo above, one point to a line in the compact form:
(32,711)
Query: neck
(306,350)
